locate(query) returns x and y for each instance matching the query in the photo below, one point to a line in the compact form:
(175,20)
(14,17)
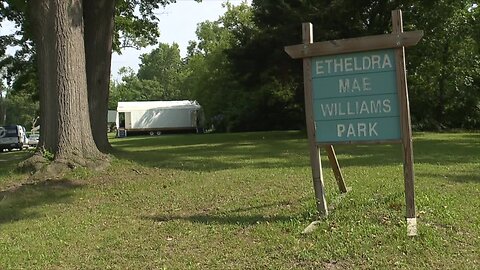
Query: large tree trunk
(99,23)
(42,14)
(65,122)
(75,138)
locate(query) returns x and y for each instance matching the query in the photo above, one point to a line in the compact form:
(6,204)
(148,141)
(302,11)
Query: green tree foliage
(18,107)
(444,69)
(163,65)
(210,77)
(160,77)
(21,109)
(272,82)
(20,68)
(131,88)
(136,23)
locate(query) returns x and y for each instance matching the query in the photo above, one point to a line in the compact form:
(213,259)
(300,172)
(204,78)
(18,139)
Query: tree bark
(99,18)
(42,14)
(75,138)
(65,122)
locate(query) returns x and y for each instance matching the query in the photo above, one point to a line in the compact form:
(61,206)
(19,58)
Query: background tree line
(240,74)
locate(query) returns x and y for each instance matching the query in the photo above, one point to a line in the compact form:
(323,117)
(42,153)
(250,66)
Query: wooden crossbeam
(368,43)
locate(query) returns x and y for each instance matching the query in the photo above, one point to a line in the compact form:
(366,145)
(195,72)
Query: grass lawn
(241,201)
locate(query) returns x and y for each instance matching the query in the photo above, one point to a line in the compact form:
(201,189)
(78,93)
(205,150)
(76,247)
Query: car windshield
(8,131)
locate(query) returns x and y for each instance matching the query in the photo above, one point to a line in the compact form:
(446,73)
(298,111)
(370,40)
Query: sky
(178,22)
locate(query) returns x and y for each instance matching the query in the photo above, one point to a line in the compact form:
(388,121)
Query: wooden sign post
(356,92)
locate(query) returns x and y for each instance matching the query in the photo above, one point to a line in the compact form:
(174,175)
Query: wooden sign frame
(397,40)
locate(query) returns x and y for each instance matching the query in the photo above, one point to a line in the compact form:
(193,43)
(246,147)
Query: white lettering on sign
(377,106)
(347,85)
(353,64)
(357,130)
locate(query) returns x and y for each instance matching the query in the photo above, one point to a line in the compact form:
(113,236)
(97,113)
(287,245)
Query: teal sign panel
(355,97)
(357,130)
(355,85)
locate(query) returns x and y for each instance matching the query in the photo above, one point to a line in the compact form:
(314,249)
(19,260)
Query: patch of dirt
(332,265)
(42,169)
(32,164)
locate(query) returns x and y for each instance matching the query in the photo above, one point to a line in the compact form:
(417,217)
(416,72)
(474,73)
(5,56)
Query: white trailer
(157,117)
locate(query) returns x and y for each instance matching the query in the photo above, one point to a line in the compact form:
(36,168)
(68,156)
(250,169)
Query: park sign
(355,97)
(356,92)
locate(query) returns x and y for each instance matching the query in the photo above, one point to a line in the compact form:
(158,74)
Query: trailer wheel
(151,133)
(159,133)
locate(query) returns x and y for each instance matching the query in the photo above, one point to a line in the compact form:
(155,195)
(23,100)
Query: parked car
(13,137)
(33,140)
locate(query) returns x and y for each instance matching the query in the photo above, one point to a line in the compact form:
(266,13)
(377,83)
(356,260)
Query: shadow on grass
(228,219)
(213,152)
(435,150)
(460,177)
(10,160)
(232,217)
(19,202)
